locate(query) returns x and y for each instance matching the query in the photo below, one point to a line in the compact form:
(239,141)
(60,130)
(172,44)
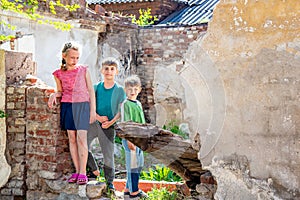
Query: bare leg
(73,148)
(82,150)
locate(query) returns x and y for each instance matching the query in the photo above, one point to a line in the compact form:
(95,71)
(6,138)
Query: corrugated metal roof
(196,12)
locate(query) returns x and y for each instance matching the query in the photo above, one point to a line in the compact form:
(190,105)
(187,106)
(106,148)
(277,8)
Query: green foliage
(174,128)
(145,18)
(160,173)
(28,9)
(118,140)
(161,194)
(2,114)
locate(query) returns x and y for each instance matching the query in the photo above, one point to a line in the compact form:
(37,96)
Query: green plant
(28,9)
(174,128)
(160,173)
(145,18)
(161,194)
(118,140)
(2,114)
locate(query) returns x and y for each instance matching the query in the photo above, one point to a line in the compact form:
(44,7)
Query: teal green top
(132,111)
(108,101)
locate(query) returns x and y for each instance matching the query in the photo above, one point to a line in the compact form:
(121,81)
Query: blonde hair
(66,48)
(132,81)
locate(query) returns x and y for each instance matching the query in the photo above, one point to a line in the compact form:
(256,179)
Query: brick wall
(15,147)
(47,152)
(36,149)
(147,48)
(17,66)
(161,46)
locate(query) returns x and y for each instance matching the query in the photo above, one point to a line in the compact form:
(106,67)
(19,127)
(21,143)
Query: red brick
(43,117)
(43,133)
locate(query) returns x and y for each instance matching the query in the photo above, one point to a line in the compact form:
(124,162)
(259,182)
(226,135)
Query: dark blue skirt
(75,116)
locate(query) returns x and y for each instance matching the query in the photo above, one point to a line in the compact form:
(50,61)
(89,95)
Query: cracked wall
(255,46)
(239,89)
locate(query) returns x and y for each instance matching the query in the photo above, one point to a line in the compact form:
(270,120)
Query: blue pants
(134,166)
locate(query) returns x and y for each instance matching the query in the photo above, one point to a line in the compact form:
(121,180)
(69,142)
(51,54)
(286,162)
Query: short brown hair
(110,62)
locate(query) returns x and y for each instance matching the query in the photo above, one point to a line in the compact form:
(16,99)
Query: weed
(161,194)
(160,173)
(2,114)
(145,18)
(174,128)
(118,140)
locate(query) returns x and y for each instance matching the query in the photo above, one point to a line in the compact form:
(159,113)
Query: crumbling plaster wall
(5,169)
(239,86)
(255,47)
(45,43)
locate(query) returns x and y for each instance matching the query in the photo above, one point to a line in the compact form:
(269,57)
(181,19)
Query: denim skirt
(75,116)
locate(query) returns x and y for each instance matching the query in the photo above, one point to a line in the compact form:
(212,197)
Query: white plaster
(45,43)
(5,169)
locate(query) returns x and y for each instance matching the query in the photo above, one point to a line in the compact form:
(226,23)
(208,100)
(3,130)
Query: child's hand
(131,146)
(52,100)
(101,119)
(107,124)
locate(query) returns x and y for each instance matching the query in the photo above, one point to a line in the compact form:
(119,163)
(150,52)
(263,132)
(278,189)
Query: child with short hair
(75,88)
(109,96)
(131,110)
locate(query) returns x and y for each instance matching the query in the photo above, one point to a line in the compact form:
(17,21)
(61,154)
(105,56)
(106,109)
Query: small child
(131,110)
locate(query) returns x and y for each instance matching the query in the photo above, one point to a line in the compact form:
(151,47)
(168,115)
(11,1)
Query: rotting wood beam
(170,149)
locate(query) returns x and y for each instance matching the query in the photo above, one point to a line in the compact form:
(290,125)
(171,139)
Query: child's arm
(52,99)
(92,97)
(107,124)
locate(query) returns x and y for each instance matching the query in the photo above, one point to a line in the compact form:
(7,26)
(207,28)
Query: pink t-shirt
(74,86)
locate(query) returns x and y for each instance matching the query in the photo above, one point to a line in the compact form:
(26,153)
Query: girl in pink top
(78,108)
